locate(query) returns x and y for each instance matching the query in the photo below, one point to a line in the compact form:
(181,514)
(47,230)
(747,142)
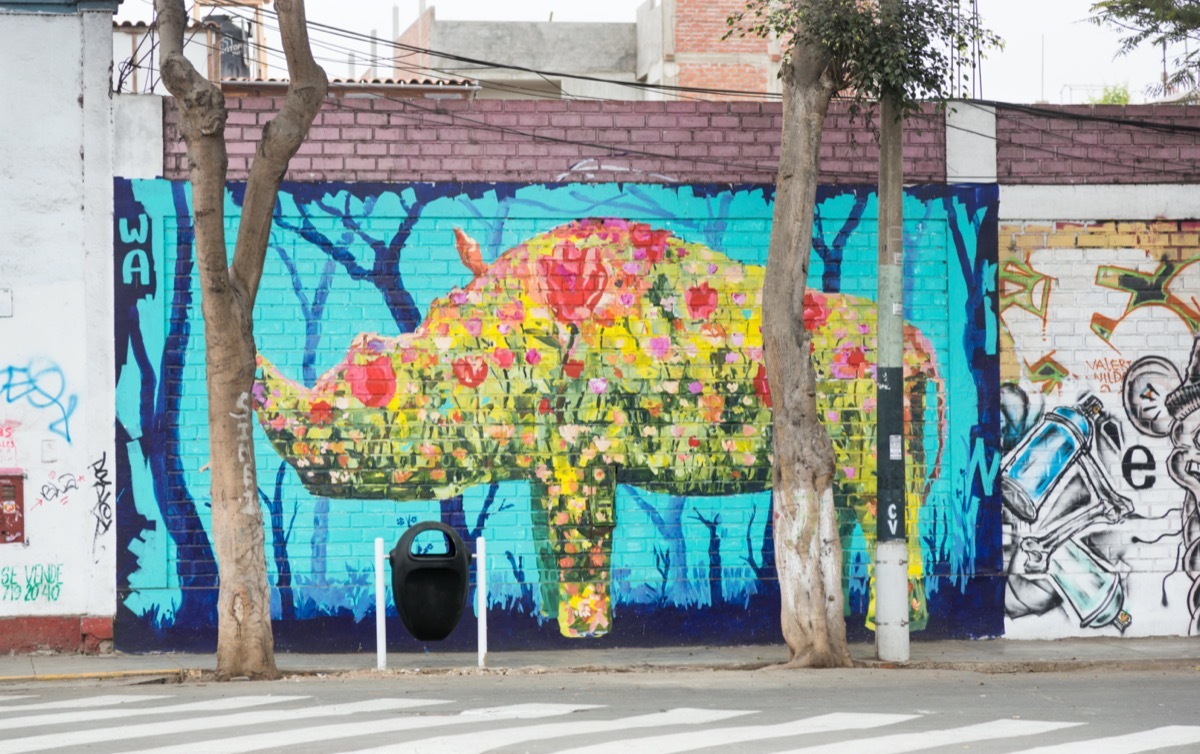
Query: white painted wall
(1100,202)
(970,143)
(56,363)
(137,135)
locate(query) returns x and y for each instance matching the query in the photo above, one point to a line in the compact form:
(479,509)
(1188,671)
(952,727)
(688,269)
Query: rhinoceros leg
(574,530)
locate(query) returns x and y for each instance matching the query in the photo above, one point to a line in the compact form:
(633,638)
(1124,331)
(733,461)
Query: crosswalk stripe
(185,725)
(295,736)
(91,701)
(212,705)
(928,739)
(1150,740)
(11,697)
(486,740)
(701,739)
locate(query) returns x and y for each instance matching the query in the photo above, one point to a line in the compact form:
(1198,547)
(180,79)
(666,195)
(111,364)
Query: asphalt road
(751,711)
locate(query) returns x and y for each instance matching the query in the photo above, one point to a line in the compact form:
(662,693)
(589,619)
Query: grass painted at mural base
(573,372)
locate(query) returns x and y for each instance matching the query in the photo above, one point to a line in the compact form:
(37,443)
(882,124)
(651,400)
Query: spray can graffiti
(1054,490)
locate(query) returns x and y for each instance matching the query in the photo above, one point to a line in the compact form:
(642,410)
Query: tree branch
(281,138)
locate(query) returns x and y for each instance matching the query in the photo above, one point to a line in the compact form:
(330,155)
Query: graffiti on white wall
(1101,431)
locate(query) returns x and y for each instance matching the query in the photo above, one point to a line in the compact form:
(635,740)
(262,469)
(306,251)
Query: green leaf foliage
(909,50)
(1158,22)
(1112,95)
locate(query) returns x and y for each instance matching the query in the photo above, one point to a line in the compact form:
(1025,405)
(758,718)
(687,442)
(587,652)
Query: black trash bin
(430,588)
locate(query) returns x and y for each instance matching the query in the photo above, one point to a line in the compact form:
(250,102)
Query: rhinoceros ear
(469,253)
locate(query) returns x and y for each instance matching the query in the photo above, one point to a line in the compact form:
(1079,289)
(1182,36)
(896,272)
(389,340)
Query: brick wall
(1066,146)
(489,140)
(700,24)
(1103,312)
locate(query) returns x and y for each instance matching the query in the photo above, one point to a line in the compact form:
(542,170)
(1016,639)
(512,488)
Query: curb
(178,673)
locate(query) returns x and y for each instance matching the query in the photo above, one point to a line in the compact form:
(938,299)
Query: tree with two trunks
(245,645)
(864,50)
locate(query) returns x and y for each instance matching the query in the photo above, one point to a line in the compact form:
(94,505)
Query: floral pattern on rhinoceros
(599,353)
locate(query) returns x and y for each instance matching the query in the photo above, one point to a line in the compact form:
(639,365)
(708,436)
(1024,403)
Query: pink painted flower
(659,347)
(474,327)
(503,357)
(533,357)
(695,388)
(598,385)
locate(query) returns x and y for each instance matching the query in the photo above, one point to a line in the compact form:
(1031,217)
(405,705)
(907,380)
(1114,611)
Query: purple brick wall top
(1074,144)
(557,140)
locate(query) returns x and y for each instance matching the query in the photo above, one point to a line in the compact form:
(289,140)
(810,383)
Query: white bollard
(481,598)
(380,608)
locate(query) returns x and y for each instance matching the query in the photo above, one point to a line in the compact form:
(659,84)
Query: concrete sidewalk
(987,656)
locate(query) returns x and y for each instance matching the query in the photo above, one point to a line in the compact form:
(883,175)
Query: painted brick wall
(490,140)
(1035,148)
(1099,320)
(401,367)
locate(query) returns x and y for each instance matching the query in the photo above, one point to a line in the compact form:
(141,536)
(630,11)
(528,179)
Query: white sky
(1051,53)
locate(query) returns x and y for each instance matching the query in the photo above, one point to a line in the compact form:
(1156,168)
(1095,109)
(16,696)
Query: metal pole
(380,608)
(891,548)
(481,599)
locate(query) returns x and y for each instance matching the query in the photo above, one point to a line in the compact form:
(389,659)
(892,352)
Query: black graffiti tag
(102,510)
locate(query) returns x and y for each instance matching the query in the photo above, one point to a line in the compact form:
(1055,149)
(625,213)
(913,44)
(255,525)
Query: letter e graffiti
(1138,459)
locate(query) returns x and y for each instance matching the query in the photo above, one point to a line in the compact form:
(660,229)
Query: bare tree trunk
(808,550)
(245,644)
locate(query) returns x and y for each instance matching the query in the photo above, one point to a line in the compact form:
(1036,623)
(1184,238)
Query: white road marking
(486,740)
(928,739)
(702,739)
(84,702)
(213,705)
(190,724)
(340,731)
(1149,740)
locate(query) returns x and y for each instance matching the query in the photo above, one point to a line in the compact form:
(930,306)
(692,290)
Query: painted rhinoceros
(602,352)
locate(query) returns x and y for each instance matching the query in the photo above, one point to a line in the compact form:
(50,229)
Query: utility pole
(891,543)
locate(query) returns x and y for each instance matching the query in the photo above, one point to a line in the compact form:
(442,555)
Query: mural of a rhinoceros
(601,352)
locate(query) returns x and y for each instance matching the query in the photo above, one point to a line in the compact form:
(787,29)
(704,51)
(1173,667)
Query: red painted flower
(575,280)
(849,362)
(573,369)
(471,371)
(701,301)
(761,388)
(544,406)
(816,313)
(320,412)
(651,243)
(373,383)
